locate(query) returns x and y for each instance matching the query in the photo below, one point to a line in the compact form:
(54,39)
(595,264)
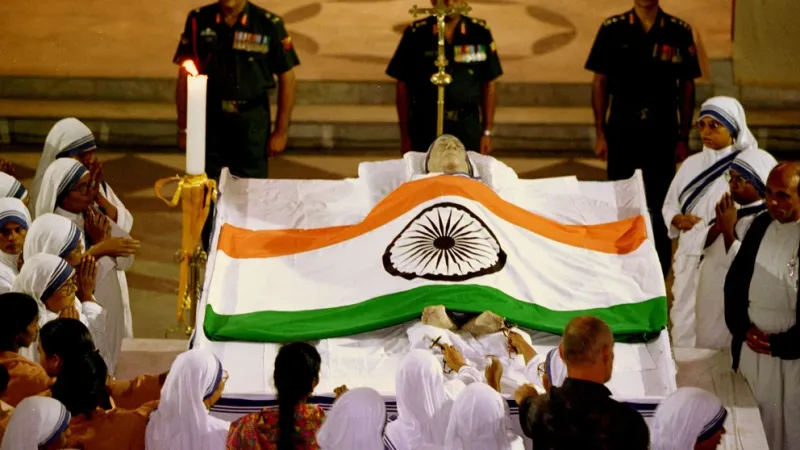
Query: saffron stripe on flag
(636,322)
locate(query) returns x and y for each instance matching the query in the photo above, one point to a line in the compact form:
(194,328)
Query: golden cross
(441,78)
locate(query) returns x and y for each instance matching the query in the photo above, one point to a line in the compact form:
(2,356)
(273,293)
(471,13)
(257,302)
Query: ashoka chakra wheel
(445,242)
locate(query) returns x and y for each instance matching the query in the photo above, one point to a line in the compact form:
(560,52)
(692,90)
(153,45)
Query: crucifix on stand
(441,78)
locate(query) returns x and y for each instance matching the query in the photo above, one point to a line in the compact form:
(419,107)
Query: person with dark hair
(581,413)
(294,423)
(19,328)
(14,222)
(81,387)
(195,383)
(63,340)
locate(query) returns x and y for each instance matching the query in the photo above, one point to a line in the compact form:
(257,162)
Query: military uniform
(472,61)
(644,71)
(241,62)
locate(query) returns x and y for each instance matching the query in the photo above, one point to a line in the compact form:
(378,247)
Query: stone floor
(538,40)
(153,278)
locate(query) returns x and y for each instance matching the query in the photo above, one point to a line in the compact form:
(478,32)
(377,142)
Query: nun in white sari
(748,179)
(182,420)
(479,421)
(355,422)
(37,423)
(14,222)
(689,419)
(56,235)
(11,187)
(64,192)
(691,203)
(424,402)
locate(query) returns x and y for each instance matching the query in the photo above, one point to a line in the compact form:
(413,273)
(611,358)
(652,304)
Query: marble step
(342,126)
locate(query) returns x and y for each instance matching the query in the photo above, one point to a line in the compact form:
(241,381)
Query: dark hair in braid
(296,371)
(19,311)
(81,385)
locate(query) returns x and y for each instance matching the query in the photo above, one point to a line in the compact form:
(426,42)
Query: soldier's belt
(240,106)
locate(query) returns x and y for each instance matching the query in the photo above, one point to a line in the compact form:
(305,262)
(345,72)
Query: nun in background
(479,421)
(182,420)
(355,422)
(68,189)
(38,423)
(11,187)
(689,419)
(70,138)
(14,222)
(56,235)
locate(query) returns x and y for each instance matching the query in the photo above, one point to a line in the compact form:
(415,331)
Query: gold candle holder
(195,194)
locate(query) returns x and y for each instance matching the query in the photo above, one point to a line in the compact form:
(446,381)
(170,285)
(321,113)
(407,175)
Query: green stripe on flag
(631,323)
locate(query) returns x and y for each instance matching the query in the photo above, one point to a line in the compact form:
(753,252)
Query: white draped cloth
(13,210)
(11,187)
(56,235)
(552,366)
(182,420)
(355,422)
(775,382)
(696,189)
(479,421)
(35,423)
(111,287)
(69,137)
(687,416)
(711,330)
(424,402)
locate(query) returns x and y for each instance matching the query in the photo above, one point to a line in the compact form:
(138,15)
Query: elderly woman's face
(448,156)
(81,197)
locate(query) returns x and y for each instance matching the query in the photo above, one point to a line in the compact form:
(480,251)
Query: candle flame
(189,67)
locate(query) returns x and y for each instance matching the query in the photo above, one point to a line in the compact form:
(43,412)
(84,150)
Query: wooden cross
(441,78)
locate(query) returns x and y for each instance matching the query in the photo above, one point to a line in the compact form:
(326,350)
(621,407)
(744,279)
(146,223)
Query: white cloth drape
(687,415)
(553,366)
(182,420)
(423,403)
(68,137)
(775,382)
(479,421)
(36,422)
(13,210)
(355,422)
(691,242)
(712,331)
(60,177)
(56,235)
(11,187)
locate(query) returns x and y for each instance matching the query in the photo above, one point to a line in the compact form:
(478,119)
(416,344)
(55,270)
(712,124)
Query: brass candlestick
(441,78)
(195,194)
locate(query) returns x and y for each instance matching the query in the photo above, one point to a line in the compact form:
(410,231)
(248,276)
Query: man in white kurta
(761,293)
(692,199)
(734,214)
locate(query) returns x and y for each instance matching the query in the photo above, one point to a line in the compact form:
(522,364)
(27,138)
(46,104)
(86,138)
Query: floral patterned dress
(259,431)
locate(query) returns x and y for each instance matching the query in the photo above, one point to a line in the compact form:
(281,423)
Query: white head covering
(52,234)
(13,210)
(555,368)
(355,422)
(422,406)
(478,421)
(755,165)
(181,420)
(60,177)
(41,276)
(36,421)
(10,187)
(688,416)
(729,112)
(7,277)
(67,138)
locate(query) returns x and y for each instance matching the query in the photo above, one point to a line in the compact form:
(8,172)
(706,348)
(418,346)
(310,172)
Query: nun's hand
(517,344)
(494,372)
(116,246)
(96,225)
(69,313)
(87,274)
(453,358)
(525,391)
(340,391)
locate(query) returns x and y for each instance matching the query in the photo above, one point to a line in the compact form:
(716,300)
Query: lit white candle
(196,87)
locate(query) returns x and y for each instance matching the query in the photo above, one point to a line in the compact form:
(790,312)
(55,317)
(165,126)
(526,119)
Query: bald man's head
(588,346)
(783,197)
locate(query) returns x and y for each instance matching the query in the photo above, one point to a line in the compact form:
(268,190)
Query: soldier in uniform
(470,98)
(645,63)
(242,48)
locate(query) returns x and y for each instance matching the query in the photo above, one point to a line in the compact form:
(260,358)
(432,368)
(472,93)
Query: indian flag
(444,240)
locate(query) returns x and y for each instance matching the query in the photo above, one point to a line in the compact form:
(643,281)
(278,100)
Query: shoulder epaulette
(614,19)
(480,22)
(681,23)
(197,10)
(417,24)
